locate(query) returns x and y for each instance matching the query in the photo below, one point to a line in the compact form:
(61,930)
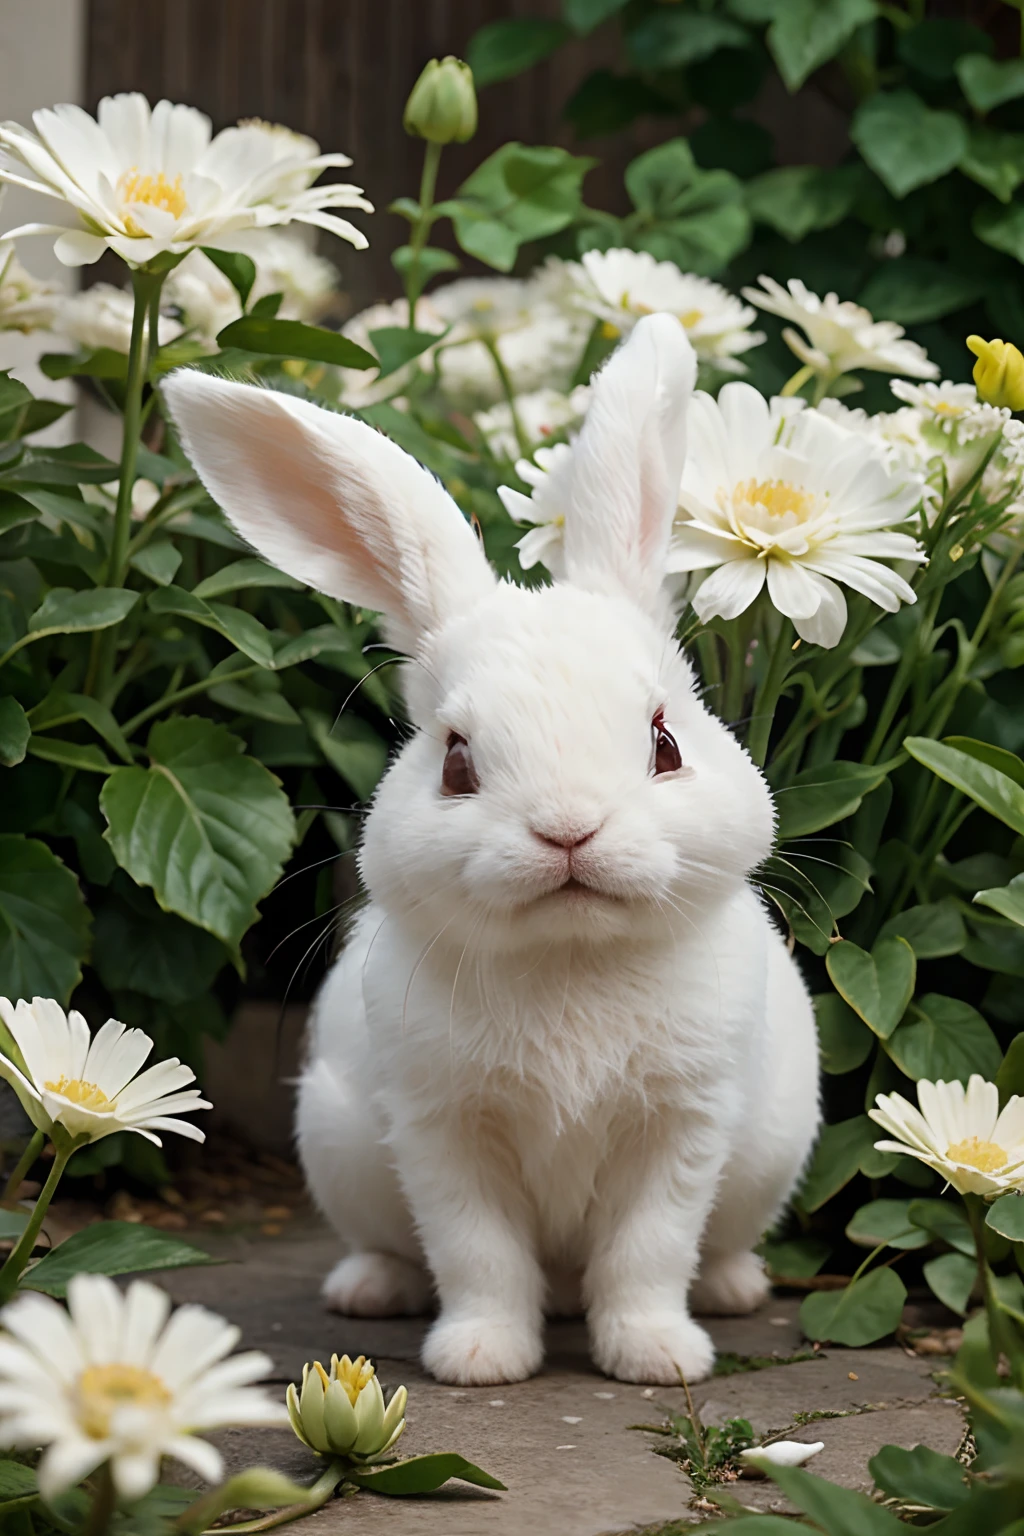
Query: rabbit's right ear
(628,463)
(329,500)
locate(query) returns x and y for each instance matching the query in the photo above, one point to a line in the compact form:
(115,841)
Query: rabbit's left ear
(628,463)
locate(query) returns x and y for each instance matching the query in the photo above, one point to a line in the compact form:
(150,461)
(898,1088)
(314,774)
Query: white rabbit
(564,1054)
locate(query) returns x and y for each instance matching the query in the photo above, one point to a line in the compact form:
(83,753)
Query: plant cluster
(95,1397)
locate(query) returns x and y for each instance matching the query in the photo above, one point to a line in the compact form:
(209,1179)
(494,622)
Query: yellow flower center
(87,1095)
(157,191)
(610,332)
(102,1389)
(691,317)
(354,1375)
(983,1155)
(776,498)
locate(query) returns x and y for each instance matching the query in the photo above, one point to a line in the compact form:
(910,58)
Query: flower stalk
(414,280)
(24,1163)
(18,1258)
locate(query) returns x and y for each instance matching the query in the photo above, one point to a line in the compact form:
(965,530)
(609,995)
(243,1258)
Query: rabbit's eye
(666,753)
(458,776)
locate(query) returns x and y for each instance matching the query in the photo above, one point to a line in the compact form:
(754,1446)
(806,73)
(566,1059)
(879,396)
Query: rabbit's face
(566,782)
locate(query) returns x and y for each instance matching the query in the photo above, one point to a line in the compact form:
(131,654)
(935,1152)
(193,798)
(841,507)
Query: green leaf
(796,199)
(1001,228)
(920,1476)
(14,732)
(995,160)
(257,703)
(293,338)
(139,948)
(837,1157)
(944,1040)
(1007,900)
(60,708)
(668,39)
(352,747)
(517,194)
(77,464)
(866,1310)
(239,270)
(913,290)
(987,84)
(944,1220)
(878,986)
(906,143)
(205,827)
(584,15)
(97,363)
(70,754)
(44,923)
(796,1258)
(63,612)
(12,1224)
(993,790)
(235,624)
(951,1277)
(819,797)
(933,47)
(1006,1216)
(422,1474)
(506,48)
(933,930)
(16,1481)
(845,1042)
(886,1221)
(396,345)
(243,575)
(430,262)
(1010,1077)
(110,1248)
(158,560)
(807,33)
(15,511)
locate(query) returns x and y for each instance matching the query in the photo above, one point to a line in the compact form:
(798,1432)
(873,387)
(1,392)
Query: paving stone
(563,1442)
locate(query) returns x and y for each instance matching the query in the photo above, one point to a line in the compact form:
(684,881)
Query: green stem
(901,681)
(25,1162)
(194,1521)
(769,692)
(20,1254)
(103,1504)
(428,183)
(506,385)
(170,699)
(146,286)
(794,385)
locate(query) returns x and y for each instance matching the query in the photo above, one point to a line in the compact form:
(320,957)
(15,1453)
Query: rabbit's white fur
(519,1094)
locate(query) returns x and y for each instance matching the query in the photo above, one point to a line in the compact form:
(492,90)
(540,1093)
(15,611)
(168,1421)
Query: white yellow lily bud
(342,1413)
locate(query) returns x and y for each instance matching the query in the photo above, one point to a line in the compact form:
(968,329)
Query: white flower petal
(730,590)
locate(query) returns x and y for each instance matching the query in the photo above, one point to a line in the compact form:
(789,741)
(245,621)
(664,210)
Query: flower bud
(442,103)
(998,373)
(343,1413)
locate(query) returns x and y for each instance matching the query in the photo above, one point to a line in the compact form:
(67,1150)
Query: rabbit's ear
(329,500)
(628,463)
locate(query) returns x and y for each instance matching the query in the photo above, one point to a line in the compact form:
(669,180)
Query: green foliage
(421,1474)
(110,1248)
(868,1309)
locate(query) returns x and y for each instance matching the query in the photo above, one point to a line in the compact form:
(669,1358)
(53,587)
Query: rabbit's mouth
(576,890)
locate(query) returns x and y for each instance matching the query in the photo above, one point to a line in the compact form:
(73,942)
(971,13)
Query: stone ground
(565,1442)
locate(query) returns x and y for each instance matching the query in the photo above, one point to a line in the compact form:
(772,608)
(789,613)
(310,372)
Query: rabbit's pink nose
(564,837)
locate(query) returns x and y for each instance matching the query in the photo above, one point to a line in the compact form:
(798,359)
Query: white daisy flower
(620,286)
(802,515)
(154,182)
(549,475)
(541,414)
(841,336)
(91,1085)
(360,387)
(207,301)
(26,302)
(538,341)
(953,408)
(101,316)
(115,1379)
(959,1132)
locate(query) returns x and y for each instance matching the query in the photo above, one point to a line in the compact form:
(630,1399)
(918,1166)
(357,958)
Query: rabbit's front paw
(377,1285)
(730,1286)
(482,1351)
(656,1349)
